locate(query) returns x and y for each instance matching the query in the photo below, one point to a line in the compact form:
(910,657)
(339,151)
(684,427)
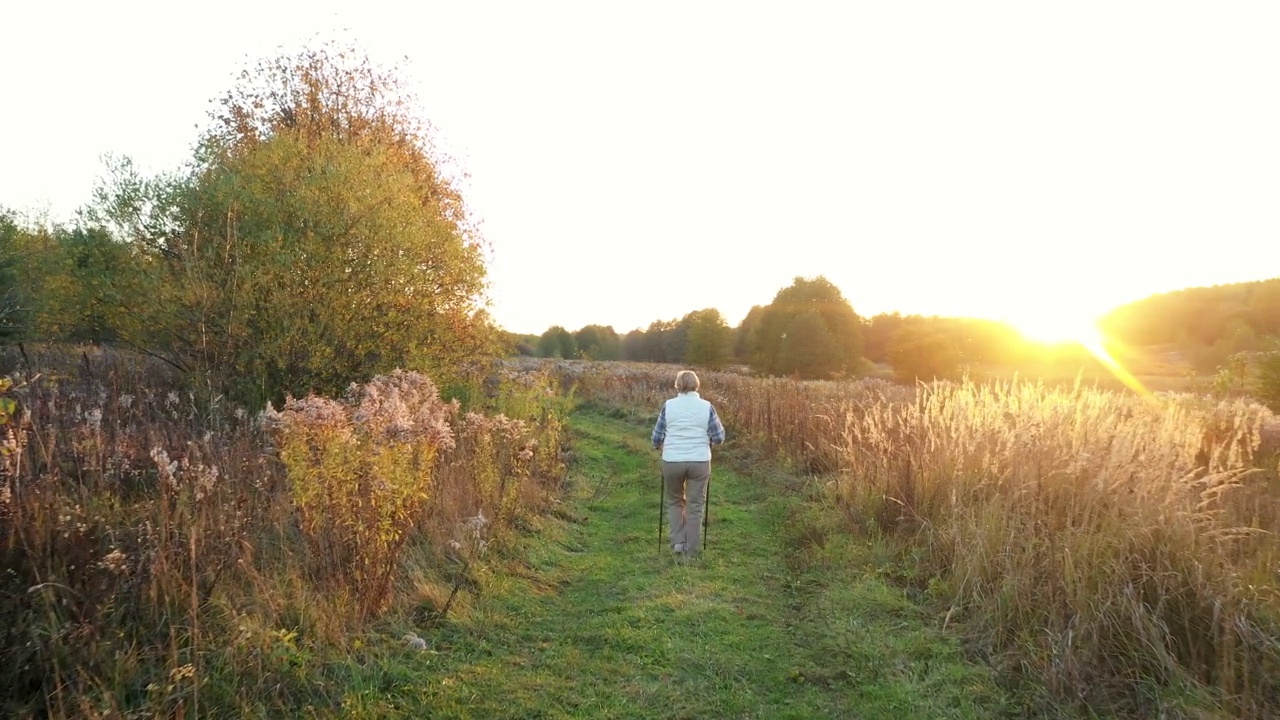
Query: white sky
(636,161)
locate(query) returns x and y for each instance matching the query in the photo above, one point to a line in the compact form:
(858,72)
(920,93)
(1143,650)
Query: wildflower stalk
(360,469)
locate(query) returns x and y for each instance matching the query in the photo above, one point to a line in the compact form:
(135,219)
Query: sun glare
(1057,330)
(1053,330)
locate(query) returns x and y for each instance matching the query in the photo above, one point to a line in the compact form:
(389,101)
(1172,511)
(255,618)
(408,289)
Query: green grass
(585,617)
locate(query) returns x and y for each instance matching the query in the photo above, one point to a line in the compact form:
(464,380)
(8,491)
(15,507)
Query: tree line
(700,338)
(808,330)
(1209,324)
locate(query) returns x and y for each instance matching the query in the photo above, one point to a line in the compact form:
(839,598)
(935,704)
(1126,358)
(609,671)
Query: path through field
(595,622)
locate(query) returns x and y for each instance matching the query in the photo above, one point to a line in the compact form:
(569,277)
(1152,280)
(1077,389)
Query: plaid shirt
(715,430)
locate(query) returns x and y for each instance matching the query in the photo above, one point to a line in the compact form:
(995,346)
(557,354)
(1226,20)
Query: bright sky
(636,161)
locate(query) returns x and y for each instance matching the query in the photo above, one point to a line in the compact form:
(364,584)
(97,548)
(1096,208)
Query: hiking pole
(662,488)
(706,513)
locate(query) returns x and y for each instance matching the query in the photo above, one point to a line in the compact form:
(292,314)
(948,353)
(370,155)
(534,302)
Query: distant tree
(1265,303)
(676,342)
(1237,338)
(518,344)
(876,334)
(557,342)
(11,325)
(1197,317)
(708,338)
(922,351)
(745,334)
(654,346)
(987,341)
(664,342)
(944,347)
(15,295)
(633,346)
(837,350)
(1268,383)
(587,341)
(610,344)
(52,279)
(598,342)
(808,348)
(98,282)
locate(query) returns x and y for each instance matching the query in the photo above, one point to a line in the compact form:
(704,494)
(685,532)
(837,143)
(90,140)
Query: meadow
(1063,551)
(166,554)
(1119,550)
(472,538)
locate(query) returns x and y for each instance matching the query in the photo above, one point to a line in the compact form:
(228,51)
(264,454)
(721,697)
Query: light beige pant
(686,498)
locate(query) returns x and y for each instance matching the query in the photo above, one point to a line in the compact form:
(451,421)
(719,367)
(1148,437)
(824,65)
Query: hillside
(1207,322)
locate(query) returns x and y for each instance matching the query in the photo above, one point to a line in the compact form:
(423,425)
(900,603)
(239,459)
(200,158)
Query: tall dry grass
(160,556)
(1119,550)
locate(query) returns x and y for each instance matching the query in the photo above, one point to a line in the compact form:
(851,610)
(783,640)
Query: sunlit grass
(761,628)
(1118,547)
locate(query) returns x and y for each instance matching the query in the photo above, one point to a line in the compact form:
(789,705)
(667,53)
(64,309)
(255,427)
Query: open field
(1116,548)
(591,619)
(951,550)
(297,425)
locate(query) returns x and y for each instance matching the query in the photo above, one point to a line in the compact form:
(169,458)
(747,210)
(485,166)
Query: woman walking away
(687,428)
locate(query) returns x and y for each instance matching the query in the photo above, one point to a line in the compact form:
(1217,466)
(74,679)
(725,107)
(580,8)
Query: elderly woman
(687,428)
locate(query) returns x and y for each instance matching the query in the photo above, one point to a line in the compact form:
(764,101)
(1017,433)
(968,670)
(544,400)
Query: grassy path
(594,622)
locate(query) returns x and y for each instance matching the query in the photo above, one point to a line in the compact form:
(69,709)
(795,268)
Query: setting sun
(1055,328)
